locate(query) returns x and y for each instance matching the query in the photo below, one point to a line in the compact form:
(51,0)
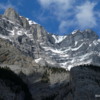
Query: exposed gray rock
(11,14)
(38,78)
(90,34)
(25,23)
(3,32)
(32,39)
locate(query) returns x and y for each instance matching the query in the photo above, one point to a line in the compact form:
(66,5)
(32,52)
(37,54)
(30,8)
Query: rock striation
(79,47)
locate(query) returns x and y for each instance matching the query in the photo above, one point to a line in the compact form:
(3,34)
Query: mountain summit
(12,15)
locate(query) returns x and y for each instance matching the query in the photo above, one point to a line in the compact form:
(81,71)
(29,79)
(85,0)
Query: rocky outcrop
(25,23)
(85,83)
(11,14)
(79,36)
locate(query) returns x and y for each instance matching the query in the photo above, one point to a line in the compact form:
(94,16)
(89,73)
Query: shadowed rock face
(25,23)
(85,82)
(12,87)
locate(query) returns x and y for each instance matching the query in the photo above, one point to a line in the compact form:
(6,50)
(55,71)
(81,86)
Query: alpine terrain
(37,65)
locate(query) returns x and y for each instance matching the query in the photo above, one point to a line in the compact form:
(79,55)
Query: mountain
(79,47)
(38,58)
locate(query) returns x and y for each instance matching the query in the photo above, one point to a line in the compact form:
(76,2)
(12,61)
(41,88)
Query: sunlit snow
(58,39)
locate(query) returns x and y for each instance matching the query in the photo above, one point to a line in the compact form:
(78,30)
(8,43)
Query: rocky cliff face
(42,81)
(79,47)
(85,83)
(37,57)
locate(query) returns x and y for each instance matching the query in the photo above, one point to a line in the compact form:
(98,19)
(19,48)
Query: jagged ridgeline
(42,65)
(79,47)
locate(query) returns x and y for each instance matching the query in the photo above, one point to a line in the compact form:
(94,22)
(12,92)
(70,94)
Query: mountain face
(79,47)
(42,81)
(37,56)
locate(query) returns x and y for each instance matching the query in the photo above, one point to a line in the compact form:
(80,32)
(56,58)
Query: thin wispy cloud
(60,9)
(9,4)
(62,26)
(57,7)
(5,6)
(86,15)
(64,3)
(65,24)
(70,13)
(65,15)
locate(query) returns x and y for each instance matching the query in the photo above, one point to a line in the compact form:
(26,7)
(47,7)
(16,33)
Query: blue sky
(59,16)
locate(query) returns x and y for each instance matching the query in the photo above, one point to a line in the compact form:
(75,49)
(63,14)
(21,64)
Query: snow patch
(75,31)
(98,40)
(5,37)
(76,43)
(38,60)
(53,50)
(19,33)
(12,32)
(58,39)
(63,65)
(74,49)
(95,42)
(31,22)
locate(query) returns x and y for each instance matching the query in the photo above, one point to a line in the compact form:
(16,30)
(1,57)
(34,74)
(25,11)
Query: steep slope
(41,80)
(67,51)
(85,83)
